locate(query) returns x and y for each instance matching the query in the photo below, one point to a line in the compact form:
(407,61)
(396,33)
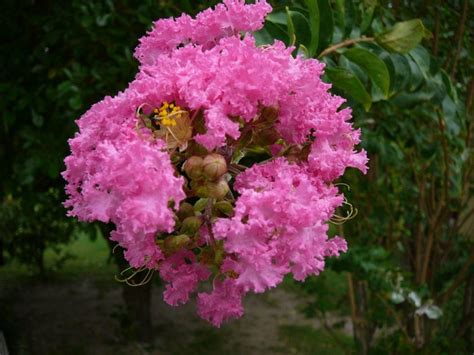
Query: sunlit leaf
(402,37)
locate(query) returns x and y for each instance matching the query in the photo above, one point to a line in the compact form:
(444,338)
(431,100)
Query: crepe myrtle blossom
(217,162)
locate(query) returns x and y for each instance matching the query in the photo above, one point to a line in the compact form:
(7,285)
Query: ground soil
(88,317)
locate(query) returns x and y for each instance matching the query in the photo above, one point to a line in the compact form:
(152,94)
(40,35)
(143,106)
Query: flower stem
(207,219)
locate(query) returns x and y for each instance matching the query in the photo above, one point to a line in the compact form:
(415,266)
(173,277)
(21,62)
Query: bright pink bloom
(223,303)
(115,176)
(209,26)
(183,274)
(123,172)
(279,224)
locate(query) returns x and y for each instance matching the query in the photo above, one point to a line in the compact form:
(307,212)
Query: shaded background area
(407,283)
(80,310)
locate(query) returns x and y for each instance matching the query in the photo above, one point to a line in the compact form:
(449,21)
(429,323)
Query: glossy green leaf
(400,72)
(349,84)
(417,78)
(339,13)
(277,31)
(300,28)
(290,27)
(263,37)
(422,58)
(403,37)
(326,25)
(314,23)
(372,65)
(278,17)
(367,17)
(349,17)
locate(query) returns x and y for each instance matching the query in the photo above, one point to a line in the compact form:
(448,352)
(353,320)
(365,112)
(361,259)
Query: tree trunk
(137,299)
(362,328)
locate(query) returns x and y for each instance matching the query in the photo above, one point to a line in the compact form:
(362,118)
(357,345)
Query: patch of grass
(303,339)
(83,257)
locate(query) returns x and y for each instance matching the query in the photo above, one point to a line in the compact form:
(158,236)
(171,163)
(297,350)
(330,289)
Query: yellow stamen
(168,113)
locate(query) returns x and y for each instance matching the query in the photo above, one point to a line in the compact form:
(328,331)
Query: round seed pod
(218,190)
(193,167)
(214,166)
(191,225)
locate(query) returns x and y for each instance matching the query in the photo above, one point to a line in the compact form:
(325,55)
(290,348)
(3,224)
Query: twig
(346,43)
(435,220)
(350,283)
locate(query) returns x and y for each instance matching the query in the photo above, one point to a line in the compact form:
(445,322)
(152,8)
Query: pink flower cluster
(119,173)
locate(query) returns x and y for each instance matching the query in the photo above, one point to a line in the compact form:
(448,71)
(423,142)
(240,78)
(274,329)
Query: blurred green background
(405,286)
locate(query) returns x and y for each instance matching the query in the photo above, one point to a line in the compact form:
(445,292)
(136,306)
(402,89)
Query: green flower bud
(225,207)
(214,166)
(200,188)
(193,167)
(175,242)
(219,257)
(218,190)
(191,225)
(185,210)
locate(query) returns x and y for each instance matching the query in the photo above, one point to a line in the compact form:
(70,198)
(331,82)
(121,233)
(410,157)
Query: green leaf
(302,28)
(449,85)
(225,207)
(372,65)
(326,26)
(263,37)
(290,27)
(349,12)
(403,37)
(400,71)
(422,59)
(417,78)
(278,18)
(314,23)
(367,17)
(350,84)
(277,31)
(339,13)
